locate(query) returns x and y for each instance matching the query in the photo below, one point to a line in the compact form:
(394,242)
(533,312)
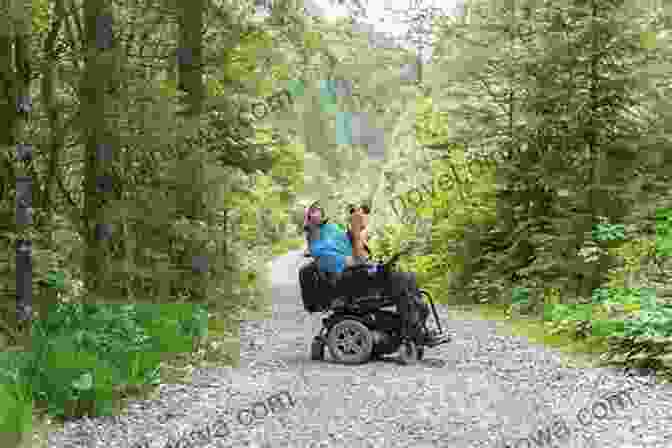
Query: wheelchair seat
(362,304)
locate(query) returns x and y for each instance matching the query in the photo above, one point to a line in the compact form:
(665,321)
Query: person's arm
(359,233)
(306,232)
(365,241)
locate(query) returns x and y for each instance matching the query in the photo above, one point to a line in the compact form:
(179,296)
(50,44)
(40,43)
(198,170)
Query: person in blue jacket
(327,242)
(331,247)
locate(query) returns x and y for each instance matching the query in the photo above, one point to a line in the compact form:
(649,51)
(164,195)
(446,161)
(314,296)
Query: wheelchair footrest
(436,340)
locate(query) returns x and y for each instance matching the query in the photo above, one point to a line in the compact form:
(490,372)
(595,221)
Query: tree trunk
(190,72)
(98,73)
(14,110)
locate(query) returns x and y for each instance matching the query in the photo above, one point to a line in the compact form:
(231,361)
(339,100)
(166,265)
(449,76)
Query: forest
(142,192)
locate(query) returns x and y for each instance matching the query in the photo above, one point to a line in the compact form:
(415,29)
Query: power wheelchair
(358,327)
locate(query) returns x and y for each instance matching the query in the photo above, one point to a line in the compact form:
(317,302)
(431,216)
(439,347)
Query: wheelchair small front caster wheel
(410,353)
(317,350)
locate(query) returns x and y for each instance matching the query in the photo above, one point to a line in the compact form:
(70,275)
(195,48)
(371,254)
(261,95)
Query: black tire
(317,350)
(350,342)
(421,353)
(408,353)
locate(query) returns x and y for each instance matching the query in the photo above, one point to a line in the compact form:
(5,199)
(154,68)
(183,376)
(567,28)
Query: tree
(550,94)
(15,78)
(101,61)
(190,76)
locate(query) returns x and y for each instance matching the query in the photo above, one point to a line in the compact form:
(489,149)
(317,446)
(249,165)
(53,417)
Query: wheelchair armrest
(358,267)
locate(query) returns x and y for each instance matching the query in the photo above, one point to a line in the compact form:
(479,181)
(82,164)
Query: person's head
(363,209)
(359,216)
(314,214)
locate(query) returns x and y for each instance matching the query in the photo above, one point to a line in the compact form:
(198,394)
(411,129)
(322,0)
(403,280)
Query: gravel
(483,389)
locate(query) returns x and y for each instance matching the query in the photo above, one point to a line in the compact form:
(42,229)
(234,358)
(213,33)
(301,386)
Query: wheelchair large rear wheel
(350,342)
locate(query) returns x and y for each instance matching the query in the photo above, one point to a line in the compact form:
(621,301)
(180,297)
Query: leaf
(56,279)
(426,212)
(330,108)
(629,307)
(605,328)
(168,88)
(296,87)
(312,40)
(648,39)
(520,295)
(85,382)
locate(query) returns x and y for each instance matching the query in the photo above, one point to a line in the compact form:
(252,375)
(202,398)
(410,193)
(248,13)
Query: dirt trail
(483,389)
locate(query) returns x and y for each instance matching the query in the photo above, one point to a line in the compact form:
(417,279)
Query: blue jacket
(331,249)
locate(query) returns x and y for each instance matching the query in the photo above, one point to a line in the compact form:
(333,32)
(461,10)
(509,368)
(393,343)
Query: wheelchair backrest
(317,291)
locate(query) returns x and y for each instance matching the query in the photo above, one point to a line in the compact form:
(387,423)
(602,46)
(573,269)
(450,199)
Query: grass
(574,353)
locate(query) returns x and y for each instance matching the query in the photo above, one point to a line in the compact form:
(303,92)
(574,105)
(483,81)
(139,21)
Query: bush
(664,232)
(16,402)
(84,355)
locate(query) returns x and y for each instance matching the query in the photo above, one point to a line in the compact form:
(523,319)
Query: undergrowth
(617,326)
(84,359)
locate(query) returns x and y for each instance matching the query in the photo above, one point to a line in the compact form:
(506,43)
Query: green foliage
(56,280)
(520,295)
(542,191)
(534,148)
(623,296)
(282,247)
(634,255)
(16,401)
(560,312)
(645,341)
(664,232)
(463,235)
(609,232)
(216,186)
(84,354)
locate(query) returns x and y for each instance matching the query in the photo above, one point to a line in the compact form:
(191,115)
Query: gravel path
(481,390)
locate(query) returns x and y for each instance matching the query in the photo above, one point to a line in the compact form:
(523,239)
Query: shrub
(16,402)
(84,355)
